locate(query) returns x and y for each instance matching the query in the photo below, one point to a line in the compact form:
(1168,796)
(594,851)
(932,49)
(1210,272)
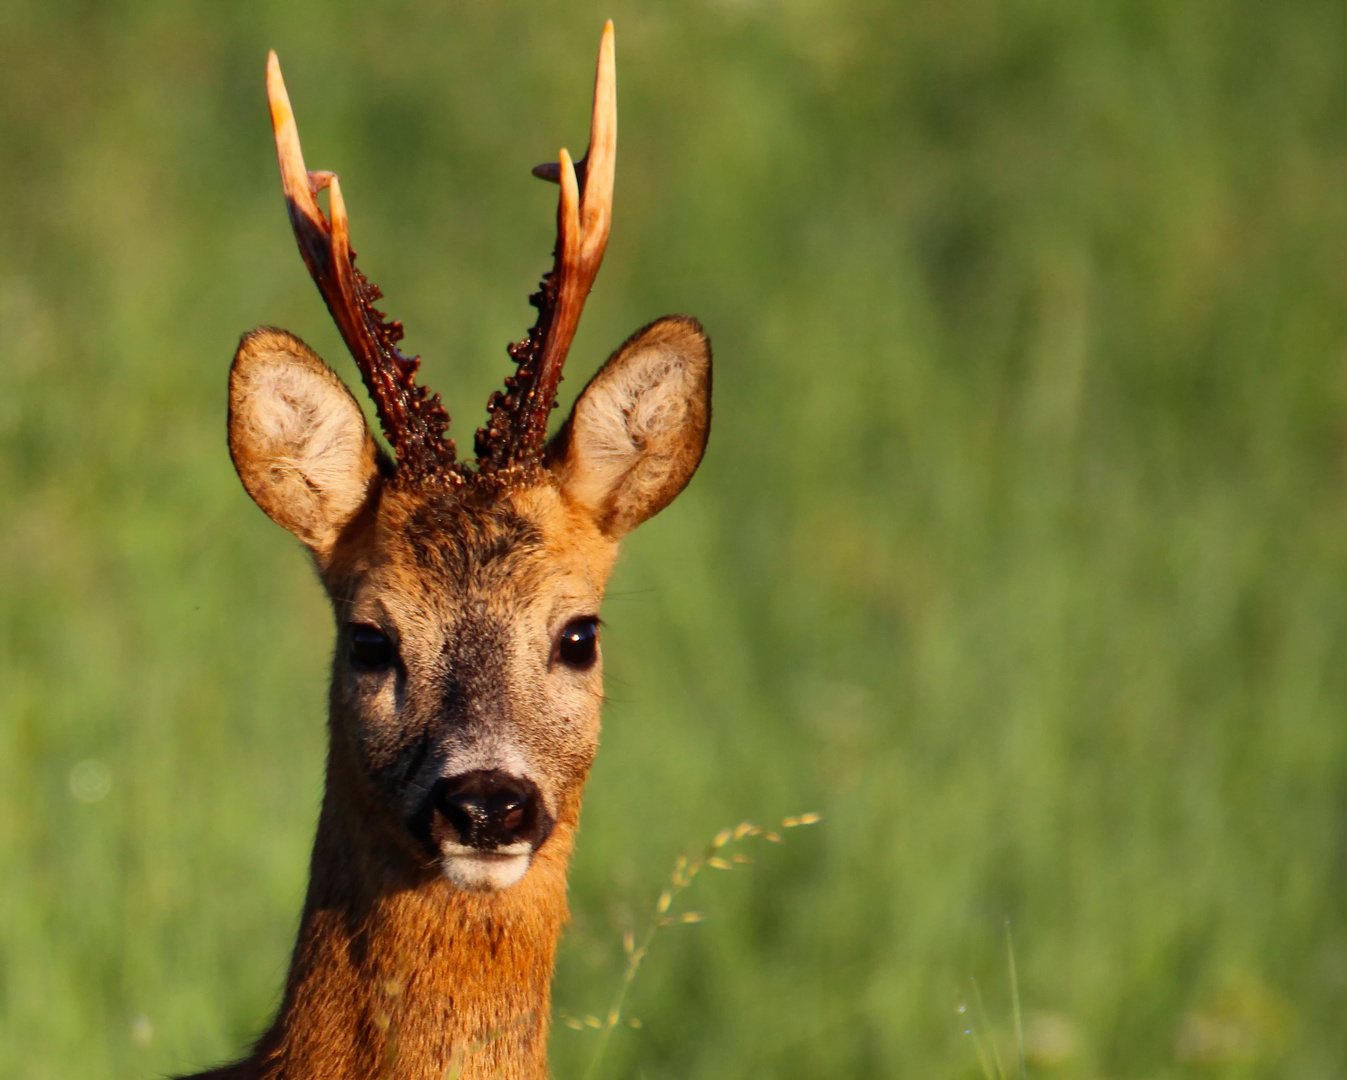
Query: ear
(638,430)
(298,439)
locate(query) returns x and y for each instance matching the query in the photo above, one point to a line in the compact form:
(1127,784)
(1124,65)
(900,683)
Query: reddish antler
(517,428)
(413,419)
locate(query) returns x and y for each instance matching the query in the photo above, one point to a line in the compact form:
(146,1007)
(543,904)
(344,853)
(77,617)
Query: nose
(490,809)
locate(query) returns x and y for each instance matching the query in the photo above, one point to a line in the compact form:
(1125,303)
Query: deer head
(467,676)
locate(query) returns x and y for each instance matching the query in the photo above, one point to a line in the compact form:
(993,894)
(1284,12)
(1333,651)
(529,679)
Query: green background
(1018,553)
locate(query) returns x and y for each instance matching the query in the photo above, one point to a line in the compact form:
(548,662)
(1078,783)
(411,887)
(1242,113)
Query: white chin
(486,872)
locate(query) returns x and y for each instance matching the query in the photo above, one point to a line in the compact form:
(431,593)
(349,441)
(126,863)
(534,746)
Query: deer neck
(398,973)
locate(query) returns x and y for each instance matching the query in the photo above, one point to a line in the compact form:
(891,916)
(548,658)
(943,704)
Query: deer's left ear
(638,430)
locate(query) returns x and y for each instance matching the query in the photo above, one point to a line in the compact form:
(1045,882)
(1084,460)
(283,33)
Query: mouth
(483,827)
(485,871)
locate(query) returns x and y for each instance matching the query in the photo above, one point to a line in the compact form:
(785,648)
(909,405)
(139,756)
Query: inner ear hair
(299,441)
(638,430)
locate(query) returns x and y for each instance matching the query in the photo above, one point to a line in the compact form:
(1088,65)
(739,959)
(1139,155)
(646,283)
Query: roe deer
(466,682)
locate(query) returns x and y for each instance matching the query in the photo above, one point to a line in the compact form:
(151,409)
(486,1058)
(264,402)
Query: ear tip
(684,333)
(269,345)
(262,339)
(261,342)
(688,324)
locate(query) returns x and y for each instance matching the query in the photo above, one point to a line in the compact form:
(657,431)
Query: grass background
(1019,551)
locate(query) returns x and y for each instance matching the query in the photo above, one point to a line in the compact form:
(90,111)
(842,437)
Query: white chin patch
(482,871)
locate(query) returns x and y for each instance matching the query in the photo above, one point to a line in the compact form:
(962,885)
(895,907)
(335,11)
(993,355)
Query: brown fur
(399,972)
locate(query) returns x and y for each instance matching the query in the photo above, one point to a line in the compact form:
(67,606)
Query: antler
(517,428)
(412,418)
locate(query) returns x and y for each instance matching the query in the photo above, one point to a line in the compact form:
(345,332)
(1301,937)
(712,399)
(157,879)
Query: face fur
(467,679)
(467,675)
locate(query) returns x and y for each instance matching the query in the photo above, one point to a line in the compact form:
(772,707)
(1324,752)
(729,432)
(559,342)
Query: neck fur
(400,975)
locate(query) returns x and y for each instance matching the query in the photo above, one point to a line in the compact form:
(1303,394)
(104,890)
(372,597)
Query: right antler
(517,429)
(412,418)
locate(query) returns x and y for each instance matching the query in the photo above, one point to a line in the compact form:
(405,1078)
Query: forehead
(468,544)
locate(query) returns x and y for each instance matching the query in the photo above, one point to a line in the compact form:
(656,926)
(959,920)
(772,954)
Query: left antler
(517,429)
(412,418)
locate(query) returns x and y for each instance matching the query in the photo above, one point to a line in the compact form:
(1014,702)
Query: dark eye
(370,647)
(579,643)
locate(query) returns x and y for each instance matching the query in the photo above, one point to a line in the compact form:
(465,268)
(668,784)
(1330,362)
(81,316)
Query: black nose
(491,809)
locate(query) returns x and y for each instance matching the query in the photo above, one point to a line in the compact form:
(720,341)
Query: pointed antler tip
(277,96)
(274,78)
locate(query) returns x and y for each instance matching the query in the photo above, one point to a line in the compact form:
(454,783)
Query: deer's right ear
(298,439)
(638,430)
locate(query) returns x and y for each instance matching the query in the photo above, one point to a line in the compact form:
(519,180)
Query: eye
(579,642)
(370,647)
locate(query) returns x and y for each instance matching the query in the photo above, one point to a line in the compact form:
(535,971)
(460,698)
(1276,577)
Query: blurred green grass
(1018,553)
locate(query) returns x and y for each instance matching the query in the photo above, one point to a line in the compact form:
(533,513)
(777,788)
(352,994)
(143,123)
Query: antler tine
(517,431)
(412,418)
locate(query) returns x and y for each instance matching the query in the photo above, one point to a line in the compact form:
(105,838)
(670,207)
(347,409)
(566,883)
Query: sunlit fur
(475,591)
(417,955)
(474,588)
